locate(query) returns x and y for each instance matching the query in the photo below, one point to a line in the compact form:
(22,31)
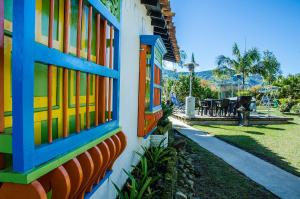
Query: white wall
(134,22)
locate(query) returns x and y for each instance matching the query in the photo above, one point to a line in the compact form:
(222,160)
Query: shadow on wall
(251,145)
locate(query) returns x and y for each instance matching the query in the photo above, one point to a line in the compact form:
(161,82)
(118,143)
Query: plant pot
(155,140)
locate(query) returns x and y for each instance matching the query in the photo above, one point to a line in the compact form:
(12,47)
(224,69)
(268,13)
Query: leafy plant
(164,123)
(156,156)
(137,187)
(286,104)
(289,86)
(148,175)
(296,108)
(161,130)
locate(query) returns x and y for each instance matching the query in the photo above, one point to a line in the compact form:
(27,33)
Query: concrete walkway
(276,180)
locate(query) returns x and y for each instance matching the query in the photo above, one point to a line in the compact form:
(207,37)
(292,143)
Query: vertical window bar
(142,90)
(1,66)
(65,71)
(2,163)
(88,75)
(78,48)
(96,76)
(102,80)
(160,83)
(111,67)
(50,75)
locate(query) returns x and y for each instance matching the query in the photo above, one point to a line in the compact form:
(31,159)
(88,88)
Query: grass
(277,144)
(219,180)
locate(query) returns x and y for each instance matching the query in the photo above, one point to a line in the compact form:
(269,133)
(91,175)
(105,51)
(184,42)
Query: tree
(181,88)
(269,67)
(244,64)
(223,73)
(223,76)
(193,58)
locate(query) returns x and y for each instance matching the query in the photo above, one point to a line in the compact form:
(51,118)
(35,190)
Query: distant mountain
(253,80)
(169,74)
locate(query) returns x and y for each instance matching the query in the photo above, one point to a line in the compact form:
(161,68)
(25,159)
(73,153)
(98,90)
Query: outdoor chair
(212,106)
(232,107)
(202,107)
(223,106)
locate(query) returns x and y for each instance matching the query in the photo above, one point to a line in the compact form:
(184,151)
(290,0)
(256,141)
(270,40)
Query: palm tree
(244,64)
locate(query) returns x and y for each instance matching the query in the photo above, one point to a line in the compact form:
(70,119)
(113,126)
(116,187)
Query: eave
(162,20)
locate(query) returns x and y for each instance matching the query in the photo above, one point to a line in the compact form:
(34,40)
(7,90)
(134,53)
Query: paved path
(276,180)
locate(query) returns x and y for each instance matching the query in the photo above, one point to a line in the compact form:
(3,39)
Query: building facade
(80,92)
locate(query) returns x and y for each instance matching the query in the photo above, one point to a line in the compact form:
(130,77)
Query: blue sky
(210,27)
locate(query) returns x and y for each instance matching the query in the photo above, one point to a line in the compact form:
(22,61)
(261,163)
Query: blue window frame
(26,51)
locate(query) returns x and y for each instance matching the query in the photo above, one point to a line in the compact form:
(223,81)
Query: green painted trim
(6,143)
(82,93)
(149,112)
(80,105)
(46,109)
(8,7)
(7,33)
(58,78)
(8,176)
(9,113)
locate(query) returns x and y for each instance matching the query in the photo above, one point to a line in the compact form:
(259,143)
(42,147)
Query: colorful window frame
(150,83)
(26,52)
(157,50)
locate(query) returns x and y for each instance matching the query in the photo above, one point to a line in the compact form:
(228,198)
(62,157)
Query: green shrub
(296,108)
(244,93)
(164,124)
(286,104)
(289,86)
(163,129)
(156,156)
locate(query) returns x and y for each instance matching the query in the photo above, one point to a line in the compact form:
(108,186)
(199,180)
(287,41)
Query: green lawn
(277,144)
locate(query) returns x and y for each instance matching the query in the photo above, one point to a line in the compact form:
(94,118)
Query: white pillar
(190,107)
